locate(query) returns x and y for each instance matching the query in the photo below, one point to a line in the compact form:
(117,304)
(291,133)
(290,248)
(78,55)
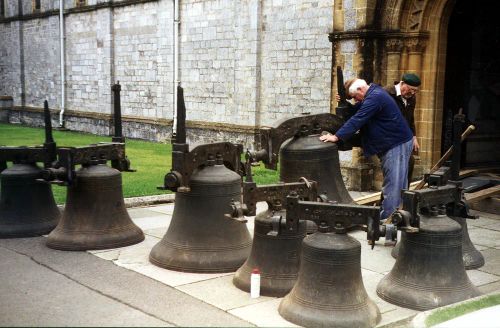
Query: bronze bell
(395,250)
(200,238)
(429,270)
(277,257)
(472,258)
(307,156)
(95,216)
(329,291)
(27,208)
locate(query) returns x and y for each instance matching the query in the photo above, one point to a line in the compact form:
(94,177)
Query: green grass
(262,176)
(151,160)
(446,314)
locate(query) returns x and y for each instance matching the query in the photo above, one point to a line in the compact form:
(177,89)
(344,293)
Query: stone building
(247,63)
(454,45)
(242,63)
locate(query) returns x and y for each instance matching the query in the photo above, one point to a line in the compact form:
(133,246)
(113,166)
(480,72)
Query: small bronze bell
(276,257)
(200,238)
(307,156)
(472,258)
(27,208)
(429,270)
(330,291)
(95,216)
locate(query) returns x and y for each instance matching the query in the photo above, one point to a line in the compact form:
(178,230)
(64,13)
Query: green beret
(411,79)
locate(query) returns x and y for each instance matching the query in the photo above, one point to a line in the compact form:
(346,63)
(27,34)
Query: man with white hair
(384,132)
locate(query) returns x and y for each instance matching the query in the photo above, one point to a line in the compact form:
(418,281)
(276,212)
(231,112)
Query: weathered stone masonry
(243,64)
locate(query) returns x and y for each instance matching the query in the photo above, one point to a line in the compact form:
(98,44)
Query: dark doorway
(472,81)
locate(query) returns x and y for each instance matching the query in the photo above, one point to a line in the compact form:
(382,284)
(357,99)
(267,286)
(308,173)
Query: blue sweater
(380,120)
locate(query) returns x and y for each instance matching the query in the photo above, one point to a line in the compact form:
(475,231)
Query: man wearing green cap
(404,93)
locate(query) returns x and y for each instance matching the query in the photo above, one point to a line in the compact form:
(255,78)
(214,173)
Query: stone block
(357,177)
(6,103)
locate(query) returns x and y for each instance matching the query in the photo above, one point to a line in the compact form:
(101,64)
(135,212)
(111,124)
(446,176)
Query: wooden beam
(374,199)
(445,157)
(488,205)
(492,175)
(482,194)
(467,173)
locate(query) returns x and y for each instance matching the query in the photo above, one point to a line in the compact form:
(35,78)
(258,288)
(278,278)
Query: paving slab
(53,301)
(481,214)
(116,284)
(378,259)
(175,278)
(165,297)
(156,232)
(130,257)
(221,292)
(480,278)
(141,212)
(400,317)
(370,281)
(493,287)
(494,226)
(263,314)
(491,261)
(153,222)
(481,222)
(164,208)
(485,237)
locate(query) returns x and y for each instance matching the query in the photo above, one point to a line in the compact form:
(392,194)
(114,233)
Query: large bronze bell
(472,258)
(200,238)
(276,257)
(27,208)
(307,156)
(329,291)
(95,216)
(429,270)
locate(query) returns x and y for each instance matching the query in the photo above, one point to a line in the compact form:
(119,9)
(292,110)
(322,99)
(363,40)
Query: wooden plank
(447,155)
(488,205)
(368,199)
(467,173)
(492,175)
(482,194)
(374,199)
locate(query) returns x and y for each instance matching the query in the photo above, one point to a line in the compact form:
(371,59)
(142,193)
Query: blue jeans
(394,164)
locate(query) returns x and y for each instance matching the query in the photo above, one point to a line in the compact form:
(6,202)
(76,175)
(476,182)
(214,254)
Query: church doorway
(472,81)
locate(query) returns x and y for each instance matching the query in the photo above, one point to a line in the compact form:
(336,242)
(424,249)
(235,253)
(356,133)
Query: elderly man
(404,93)
(384,132)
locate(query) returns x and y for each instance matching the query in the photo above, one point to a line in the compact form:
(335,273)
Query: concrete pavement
(120,287)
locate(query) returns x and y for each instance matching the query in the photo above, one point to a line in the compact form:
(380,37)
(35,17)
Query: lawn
(152,160)
(452,312)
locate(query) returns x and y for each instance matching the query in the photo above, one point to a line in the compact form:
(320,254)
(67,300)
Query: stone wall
(9,59)
(243,63)
(296,58)
(41,61)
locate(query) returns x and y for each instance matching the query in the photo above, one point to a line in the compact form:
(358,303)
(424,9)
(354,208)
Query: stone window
(37,5)
(80,3)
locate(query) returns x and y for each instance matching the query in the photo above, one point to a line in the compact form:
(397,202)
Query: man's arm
(368,108)
(411,123)
(411,116)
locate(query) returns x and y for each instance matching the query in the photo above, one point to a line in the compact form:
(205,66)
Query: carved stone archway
(388,38)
